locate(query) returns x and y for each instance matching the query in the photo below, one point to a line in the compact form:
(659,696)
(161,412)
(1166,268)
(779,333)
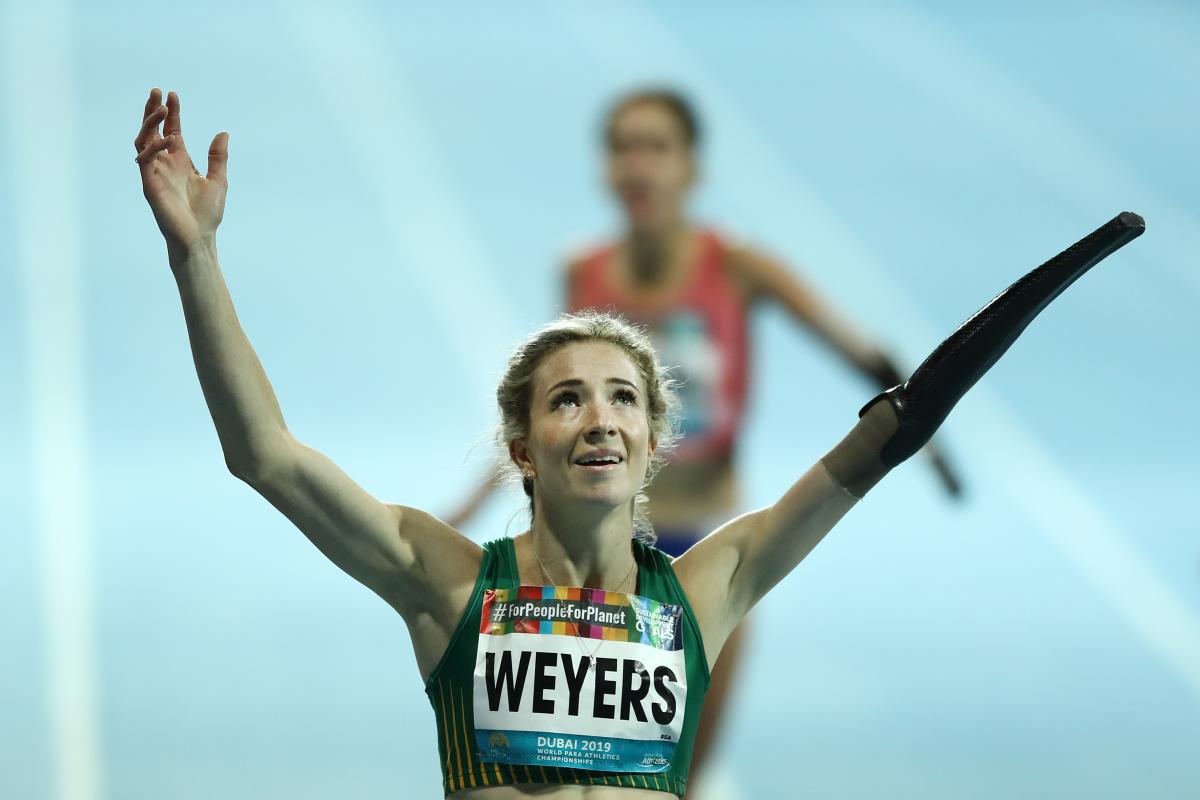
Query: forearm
(843,339)
(788,530)
(770,280)
(240,398)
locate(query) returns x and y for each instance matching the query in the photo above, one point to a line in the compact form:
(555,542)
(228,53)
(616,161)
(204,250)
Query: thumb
(218,158)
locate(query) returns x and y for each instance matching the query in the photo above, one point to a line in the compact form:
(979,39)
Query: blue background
(405,179)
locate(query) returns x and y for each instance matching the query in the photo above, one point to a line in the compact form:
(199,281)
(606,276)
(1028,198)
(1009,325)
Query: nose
(600,425)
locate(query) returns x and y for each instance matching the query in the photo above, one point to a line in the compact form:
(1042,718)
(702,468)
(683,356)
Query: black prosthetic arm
(886,374)
(921,403)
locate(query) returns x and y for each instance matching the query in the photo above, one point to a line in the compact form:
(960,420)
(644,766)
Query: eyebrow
(578,382)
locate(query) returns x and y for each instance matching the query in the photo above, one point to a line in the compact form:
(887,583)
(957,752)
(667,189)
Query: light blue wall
(910,159)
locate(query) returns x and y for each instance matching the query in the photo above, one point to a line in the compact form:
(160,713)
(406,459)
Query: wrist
(181,254)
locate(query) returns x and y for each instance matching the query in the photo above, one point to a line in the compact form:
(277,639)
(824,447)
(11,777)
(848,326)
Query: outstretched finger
(153,102)
(149,128)
(172,125)
(218,158)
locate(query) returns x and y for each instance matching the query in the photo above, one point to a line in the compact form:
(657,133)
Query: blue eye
(565,397)
(626,396)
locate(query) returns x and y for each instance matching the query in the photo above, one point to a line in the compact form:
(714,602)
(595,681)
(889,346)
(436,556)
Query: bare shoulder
(445,561)
(748,266)
(575,259)
(447,565)
(575,256)
(752,267)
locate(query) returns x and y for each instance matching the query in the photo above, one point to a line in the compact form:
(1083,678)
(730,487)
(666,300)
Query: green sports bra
(563,685)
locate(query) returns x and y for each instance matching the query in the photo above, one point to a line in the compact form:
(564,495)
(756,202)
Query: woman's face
(650,165)
(589,433)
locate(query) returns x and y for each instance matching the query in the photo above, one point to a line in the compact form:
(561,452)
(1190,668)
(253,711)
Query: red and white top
(699,330)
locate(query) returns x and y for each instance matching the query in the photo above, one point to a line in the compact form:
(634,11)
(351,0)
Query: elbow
(251,470)
(244,469)
(256,461)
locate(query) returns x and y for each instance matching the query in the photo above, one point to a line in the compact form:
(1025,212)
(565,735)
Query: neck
(653,251)
(578,548)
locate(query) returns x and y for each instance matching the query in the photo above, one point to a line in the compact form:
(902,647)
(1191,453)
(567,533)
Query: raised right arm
(418,564)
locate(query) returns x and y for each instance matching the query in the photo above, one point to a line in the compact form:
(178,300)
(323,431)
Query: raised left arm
(725,574)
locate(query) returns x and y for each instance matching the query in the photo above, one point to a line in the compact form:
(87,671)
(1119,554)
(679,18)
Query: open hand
(187,205)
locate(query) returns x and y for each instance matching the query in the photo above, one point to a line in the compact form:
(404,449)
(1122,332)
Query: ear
(519,453)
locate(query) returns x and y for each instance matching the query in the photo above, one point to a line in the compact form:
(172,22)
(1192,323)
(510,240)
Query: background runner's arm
(768,279)
(379,545)
(467,508)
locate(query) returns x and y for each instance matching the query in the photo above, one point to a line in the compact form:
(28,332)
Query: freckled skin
(602,407)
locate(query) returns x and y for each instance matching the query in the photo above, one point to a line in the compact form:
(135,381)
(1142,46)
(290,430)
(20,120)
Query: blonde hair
(514,394)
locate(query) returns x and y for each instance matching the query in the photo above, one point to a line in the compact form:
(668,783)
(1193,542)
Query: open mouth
(599,462)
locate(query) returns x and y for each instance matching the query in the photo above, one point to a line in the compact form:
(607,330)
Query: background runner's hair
(514,394)
(673,101)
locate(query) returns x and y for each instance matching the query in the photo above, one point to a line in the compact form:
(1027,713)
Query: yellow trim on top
(466,742)
(454,721)
(445,724)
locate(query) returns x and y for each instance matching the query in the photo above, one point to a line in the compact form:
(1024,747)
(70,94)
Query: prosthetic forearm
(896,423)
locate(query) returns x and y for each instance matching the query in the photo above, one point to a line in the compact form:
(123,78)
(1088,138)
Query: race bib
(579,678)
(684,342)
